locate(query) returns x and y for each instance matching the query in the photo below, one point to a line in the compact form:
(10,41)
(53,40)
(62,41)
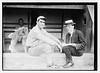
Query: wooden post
(91,11)
(62,24)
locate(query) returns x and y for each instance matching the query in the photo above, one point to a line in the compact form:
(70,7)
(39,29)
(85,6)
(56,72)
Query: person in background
(41,42)
(75,43)
(18,38)
(20,23)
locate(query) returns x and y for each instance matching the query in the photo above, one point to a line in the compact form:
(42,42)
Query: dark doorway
(34,15)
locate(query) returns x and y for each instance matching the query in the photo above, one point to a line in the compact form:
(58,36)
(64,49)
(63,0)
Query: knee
(65,49)
(48,49)
(48,46)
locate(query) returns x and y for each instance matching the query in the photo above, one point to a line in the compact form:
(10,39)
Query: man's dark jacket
(78,39)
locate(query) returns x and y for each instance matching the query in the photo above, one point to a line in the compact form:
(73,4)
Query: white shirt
(37,36)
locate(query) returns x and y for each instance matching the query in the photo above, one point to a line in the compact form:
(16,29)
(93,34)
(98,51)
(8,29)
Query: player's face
(41,23)
(69,28)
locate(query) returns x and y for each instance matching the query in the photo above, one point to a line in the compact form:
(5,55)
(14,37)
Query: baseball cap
(41,17)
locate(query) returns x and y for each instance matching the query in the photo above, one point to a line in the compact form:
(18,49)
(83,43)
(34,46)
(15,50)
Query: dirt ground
(23,61)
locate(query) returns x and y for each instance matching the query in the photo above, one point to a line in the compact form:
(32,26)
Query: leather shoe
(68,65)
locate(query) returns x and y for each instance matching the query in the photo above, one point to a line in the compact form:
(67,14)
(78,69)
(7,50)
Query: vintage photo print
(44,36)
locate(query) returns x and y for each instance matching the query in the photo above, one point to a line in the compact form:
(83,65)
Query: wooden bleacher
(53,28)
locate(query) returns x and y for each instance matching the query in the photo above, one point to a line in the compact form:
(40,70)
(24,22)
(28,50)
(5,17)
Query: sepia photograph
(44,36)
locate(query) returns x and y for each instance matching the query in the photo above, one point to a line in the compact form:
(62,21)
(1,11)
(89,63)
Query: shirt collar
(72,32)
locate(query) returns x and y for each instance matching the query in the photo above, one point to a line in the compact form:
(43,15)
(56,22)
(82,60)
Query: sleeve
(52,37)
(44,38)
(82,42)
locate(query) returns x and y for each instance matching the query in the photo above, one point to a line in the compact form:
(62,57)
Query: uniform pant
(39,49)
